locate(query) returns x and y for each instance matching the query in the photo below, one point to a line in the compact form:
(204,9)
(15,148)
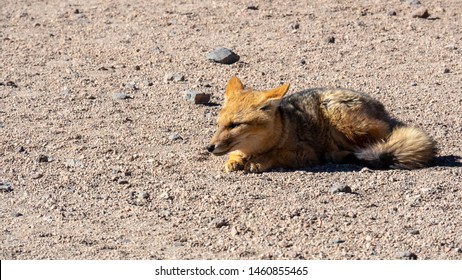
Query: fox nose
(210,148)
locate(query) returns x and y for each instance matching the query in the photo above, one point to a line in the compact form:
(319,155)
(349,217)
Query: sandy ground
(85,175)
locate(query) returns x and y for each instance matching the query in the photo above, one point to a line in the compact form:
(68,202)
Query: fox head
(248,121)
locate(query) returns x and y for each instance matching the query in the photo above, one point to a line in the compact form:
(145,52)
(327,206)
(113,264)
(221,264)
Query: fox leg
(282,158)
(236,161)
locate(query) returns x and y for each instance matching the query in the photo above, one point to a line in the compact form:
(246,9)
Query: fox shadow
(440,161)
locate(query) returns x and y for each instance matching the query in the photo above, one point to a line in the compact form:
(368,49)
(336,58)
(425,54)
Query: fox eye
(233,125)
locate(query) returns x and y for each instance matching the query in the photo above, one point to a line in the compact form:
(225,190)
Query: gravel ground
(102,156)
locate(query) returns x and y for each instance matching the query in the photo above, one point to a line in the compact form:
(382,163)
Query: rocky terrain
(102,147)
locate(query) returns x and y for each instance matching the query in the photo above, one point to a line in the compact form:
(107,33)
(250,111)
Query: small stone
(72,163)
(122,181)
(166,196)
(414,2)
(5,187)
(219,222)
(20,149)
(143,195)
(132,85)
(302,61)
(17,214)
(175,77)
(407,256)
(294,25)
(340,188)
(120,96)
(413,84)
(458,250)
(252,7)
(338,241)
(223,55)
(137,67)
(37,175)
(451,47)
(446,70)
(11,84)
(197,97)
(365,170)
(391,13)
(421,12)
(331,39)
(44,158)
(175,136)
(414,232)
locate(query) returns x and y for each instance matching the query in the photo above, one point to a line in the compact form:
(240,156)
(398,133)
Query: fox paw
(253,167)
(232,165)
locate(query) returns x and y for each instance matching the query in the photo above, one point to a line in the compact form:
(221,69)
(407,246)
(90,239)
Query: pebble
(44,158)
(122,181)
(446,70)
(196,97)
(223,55)
(421,12)
(175,77)
(252,7)
(166,196)
(407,256)
(132,85)
(414,2)
(71,162)
(331,39)
(219,222)
(5,187)
(391,13)
(37,175)
(20,149)
(338,241)
(175,136)
(414,232)
(120,96)
(294,25)
(340,188)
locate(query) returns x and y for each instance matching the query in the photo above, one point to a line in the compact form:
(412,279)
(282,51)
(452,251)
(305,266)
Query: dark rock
(197,97)
(294,25)
(414,232)
(44,158)
(338,241)
(340,188)
(331,39)
(137,67)
(223,55)
(252,7)
(122,181)
(446,70)
(20,149)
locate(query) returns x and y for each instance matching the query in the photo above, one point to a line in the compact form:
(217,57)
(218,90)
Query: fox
(264,130)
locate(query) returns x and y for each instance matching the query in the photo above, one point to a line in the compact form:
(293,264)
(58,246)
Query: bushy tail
(405,148)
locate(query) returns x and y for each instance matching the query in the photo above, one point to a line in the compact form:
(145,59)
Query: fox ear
(273,97)
(278,92)
(234,85)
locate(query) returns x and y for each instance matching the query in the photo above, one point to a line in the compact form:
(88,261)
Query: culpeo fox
(263,130)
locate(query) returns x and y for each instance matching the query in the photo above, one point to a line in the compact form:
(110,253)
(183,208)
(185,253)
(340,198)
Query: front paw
(254,167)
(232,165)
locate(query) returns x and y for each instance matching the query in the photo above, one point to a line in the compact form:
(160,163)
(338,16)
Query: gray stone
(223,55)
(407,256)
(5,187)
(219,222)
(175,136)
(174,77)
(120,96)
(421,12)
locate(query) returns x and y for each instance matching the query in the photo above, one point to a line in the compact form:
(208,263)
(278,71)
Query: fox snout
(210,148)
